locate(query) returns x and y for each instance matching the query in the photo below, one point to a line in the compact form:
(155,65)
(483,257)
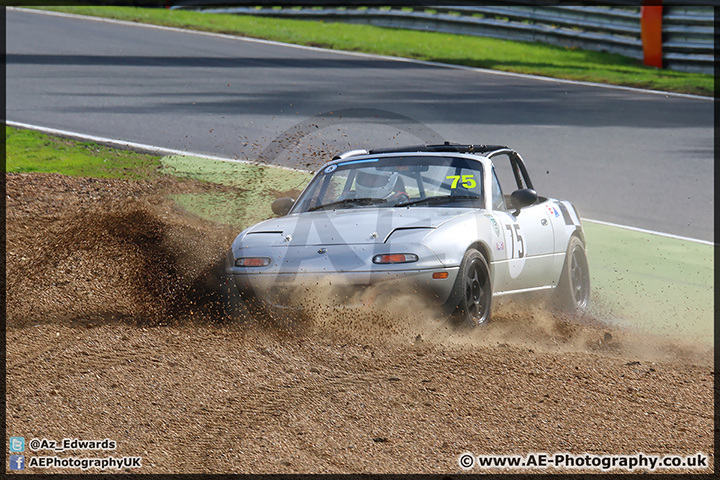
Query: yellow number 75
(467,181)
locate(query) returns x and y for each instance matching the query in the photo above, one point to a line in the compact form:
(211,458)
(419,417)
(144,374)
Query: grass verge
(652,282)
(30,151)
(260,186)
(639,280)
(482,52)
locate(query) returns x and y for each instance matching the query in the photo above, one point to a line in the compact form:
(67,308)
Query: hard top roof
(440,147)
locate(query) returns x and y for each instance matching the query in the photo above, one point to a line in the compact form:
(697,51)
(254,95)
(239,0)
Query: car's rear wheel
(573,290)
(473,291)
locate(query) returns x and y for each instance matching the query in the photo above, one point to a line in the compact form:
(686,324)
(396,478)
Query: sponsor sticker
(331,169)
(495,225)
(500,245)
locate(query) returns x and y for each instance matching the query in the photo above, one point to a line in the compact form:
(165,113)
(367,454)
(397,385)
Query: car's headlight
(395,258)
(252,262)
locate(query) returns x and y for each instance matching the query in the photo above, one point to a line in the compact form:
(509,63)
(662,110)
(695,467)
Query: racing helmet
(371,183)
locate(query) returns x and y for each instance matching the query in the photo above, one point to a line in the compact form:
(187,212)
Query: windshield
(422,181)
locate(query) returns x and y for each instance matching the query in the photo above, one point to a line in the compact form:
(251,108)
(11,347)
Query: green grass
(30,151)
(260,185)
(643,281)
(652,282)
(519,57)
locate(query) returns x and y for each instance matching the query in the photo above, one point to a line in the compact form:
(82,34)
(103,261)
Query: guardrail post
(651,33)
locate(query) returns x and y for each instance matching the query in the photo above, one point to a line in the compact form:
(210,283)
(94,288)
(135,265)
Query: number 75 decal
(517,238)
(468,181)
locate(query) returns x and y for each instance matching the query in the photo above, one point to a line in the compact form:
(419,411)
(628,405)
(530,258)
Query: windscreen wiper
(349,202)
(441,199)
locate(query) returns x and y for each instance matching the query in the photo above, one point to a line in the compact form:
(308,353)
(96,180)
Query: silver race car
(433,220)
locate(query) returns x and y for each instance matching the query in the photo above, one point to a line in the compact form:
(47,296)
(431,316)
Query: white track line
(651,232)
(365,55)
(169,151)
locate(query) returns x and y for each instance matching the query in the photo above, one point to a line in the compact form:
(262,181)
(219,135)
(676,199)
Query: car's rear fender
(566,224)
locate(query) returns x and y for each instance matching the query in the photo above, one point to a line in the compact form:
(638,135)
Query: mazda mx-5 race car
(434,219)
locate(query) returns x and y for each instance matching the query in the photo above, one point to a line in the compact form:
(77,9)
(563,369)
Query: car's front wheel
(473,291)
(573,290)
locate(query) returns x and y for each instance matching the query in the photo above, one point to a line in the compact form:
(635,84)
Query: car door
(526,253)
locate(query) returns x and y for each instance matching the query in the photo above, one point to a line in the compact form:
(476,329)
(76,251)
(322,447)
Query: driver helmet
(371,183)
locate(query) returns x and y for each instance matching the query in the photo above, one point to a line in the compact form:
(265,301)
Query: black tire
(573,290)
(472,292)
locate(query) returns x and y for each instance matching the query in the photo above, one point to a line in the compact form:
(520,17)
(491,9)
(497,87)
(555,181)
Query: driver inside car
(371,183)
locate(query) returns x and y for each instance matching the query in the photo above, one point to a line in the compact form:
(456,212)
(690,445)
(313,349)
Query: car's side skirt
(523,290)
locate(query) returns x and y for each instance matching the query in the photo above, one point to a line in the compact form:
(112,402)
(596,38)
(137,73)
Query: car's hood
(347,226)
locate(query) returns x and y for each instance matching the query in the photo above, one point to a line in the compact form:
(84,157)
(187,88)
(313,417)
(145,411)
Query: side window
(510,177)
(497,196)
(503,171)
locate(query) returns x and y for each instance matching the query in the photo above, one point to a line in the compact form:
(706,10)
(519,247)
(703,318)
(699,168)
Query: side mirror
(282,206)
(522,198)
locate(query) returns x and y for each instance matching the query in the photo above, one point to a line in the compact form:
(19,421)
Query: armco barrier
(688,36)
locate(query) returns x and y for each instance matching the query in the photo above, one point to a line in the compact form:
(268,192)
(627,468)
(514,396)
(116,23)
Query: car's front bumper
(349,289)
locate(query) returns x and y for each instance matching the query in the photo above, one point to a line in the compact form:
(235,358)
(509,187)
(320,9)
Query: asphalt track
(634,158)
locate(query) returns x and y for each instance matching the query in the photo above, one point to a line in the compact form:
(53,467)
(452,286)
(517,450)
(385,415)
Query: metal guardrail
(688,32)
(689,38)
